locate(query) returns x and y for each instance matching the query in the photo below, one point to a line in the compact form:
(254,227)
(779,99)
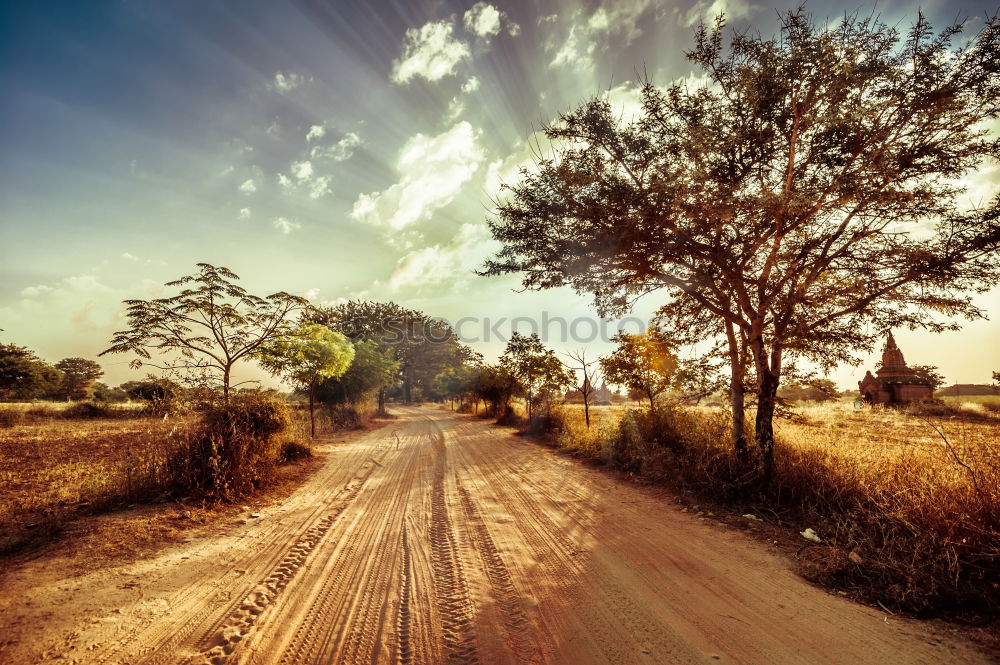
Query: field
(53,469)
(906,502)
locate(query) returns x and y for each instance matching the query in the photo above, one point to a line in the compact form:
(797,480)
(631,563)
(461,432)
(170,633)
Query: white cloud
(430,52)
(285,181)
(244,213)
(444,263)
(507,171)
(471,85)
(615,22)
(287,82)
(129,257)
(483,20)
(433,170)
(707,10)
(319,187)
(455,108)
(340,151)
(35,291)
(285,225)
(316,132)
(302,170)
(248,186)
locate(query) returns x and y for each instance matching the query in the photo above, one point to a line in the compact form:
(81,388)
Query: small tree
(23,375)
(206,329)
(929,374)
(586,388)
(536,369)
(644,363)
(307,356)
(79,375)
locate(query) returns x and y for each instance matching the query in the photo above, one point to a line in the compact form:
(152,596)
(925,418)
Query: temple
(894,382)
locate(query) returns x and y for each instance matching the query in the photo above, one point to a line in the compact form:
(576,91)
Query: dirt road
(457,544)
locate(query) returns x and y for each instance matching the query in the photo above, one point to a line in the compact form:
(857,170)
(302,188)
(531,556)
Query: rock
(753,517)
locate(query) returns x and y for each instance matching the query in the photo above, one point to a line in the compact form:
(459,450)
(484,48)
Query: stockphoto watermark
(473,329)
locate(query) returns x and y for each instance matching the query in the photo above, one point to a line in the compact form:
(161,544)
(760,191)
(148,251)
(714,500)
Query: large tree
(23,375)
(421,345)
(801,202)
(307,356)
(79,375)
(202,332)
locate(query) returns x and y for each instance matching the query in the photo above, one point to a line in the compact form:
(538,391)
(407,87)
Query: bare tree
(586,388)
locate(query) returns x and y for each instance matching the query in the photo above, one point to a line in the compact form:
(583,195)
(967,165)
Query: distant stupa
(894,382)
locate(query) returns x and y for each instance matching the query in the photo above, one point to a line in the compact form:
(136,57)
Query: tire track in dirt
(154,637)
(449,583)
(238,624)
(338,608)
(404,649)
(517,627)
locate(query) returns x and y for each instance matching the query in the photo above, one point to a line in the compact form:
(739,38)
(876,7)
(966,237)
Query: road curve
(459,543)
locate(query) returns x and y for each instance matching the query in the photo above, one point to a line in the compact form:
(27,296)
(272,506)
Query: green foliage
(644,363)
(307,355)
(370,371)
(79,375)
(537,370)
(495,385)
(206,329)
(160,394)
(422,346)
(23,375)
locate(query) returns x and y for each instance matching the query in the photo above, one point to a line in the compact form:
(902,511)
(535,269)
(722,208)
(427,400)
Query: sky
(335,150)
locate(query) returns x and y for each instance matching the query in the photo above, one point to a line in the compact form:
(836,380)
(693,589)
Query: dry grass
(54,469)
(907,502)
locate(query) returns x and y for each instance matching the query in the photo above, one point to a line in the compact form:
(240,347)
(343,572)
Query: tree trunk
(312,416)
(736,394)
(586,409)
(768,378)
(649,394)
(225,386)
(381,400)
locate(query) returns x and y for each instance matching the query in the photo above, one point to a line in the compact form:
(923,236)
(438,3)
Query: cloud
(319,187)
(455,108)
(433,170)
(285,181)
(129,257)
(507,171)
(285,225)
(444,263)
(485,21)
(287,82)
(612,22)
(316,132)
(430,52)
(707,10)
(248,186)
(340,151)
(471,85)
(302,170)
(244,213)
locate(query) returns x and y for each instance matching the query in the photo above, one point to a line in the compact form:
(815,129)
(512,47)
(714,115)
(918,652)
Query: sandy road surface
(460,544)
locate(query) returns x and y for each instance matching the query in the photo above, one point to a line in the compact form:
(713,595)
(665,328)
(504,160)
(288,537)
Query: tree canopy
(202,332)
(644,363)
(79,375)
(801,202)
(23,375)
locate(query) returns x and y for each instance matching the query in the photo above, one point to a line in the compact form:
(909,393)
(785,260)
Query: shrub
(293,450)
(236,450)
(11,417)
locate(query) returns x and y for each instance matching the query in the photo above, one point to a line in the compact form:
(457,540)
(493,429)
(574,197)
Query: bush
(235,451)
(293,450)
